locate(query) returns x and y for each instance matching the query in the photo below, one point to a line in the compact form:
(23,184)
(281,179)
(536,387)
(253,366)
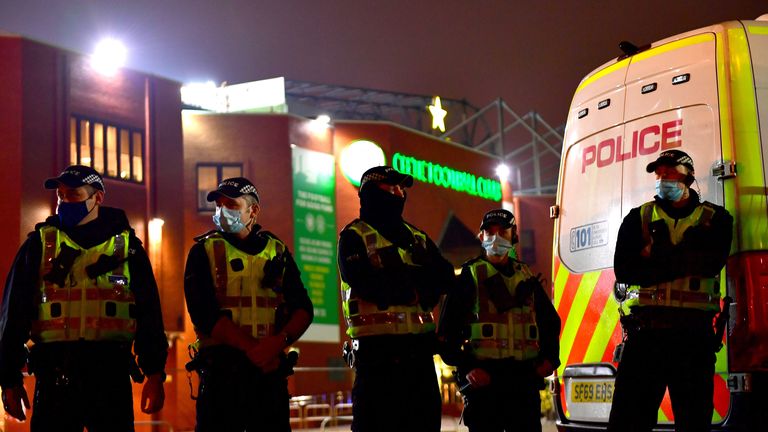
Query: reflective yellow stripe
(667,47)
(726,131)
(603,331)
(751,208)
(758,30)
(705,37)
(573,320)
(601,73)
(560,280)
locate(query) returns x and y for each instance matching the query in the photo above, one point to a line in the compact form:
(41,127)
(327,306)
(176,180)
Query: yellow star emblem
(438,114)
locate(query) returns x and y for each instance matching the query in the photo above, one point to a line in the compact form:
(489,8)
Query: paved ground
(449,425)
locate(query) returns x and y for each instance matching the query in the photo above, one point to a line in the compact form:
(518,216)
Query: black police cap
(234,187)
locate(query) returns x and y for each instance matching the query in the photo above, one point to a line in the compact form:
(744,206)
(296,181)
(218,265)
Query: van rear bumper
(748,412)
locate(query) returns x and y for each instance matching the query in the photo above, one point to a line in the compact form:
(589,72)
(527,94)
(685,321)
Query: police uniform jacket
(456,317)
(20,298)
(200,292)
(702,252)
(397,286)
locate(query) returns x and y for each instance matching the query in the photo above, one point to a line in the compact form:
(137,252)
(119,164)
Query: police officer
(500,329)
(392,277)
(669,253)
(82,289)
(248,305)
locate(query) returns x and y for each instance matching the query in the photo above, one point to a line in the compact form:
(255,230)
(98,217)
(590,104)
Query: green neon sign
(448,178)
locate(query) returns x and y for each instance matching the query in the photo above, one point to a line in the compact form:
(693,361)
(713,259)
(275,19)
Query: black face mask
(70,214)
(379,205)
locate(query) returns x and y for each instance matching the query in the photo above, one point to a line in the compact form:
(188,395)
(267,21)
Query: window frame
(77,157)
(219,177)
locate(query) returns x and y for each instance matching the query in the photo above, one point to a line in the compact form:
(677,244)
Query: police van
(704,92)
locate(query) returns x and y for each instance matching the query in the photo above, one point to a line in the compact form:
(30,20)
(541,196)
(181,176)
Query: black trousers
(81,385)
(682,360)
(510,403)
(399,394)
(234,395)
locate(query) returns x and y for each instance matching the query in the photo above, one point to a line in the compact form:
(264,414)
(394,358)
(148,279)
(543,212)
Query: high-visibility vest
(100,309)
(693,292)
(366,319)
(508,334)
(237,278)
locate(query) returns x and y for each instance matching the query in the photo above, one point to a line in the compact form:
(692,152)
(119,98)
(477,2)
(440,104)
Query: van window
(590,204)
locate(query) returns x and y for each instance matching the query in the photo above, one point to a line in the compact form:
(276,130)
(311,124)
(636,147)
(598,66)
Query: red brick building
(159,162)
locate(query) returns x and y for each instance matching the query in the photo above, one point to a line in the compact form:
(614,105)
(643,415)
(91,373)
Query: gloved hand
(544,368)
(697,237)
(266,353)
(478,378)
(420,255)
(661,246)
(524,292)
(397,287)
(152,394)
(13,398)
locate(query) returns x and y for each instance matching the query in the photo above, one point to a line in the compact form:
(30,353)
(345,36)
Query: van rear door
(622,117)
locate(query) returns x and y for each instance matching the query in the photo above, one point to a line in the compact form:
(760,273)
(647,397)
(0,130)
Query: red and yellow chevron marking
(590,317)
(591,330)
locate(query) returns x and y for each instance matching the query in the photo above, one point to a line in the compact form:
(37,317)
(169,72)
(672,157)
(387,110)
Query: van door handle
(724,169)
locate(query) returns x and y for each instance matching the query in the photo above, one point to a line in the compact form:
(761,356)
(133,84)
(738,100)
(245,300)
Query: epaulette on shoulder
(471,261)
(269,235)
(203,237)
(516,261)
(351,223)
(49,221)
(415,228)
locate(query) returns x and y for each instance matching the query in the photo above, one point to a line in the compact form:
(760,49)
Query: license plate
(592,391)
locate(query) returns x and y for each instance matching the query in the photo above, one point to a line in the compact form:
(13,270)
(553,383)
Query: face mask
(228,220)
(497,246)
(379,204)
(70,214)
(669,190)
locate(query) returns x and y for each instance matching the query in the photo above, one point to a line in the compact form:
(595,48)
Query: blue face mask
(669,189)
(497,246)
(70,214)
(228,220)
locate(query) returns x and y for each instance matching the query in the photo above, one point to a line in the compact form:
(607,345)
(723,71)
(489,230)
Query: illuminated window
(114,151)
(125,155)
(209,175)
(136,151)
(85,143)
(111,170)
(98,147)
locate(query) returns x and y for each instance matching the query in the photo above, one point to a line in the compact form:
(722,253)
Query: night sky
(531,53)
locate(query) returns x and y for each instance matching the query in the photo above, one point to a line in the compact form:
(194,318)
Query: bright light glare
(201,94)
(156,232)
(109,56)
(320,124)
(357,157)
(502,171)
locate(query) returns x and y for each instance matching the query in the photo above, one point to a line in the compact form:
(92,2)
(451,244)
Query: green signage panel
(314,224)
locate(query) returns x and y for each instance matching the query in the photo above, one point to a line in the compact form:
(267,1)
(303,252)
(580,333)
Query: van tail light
(748,328)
